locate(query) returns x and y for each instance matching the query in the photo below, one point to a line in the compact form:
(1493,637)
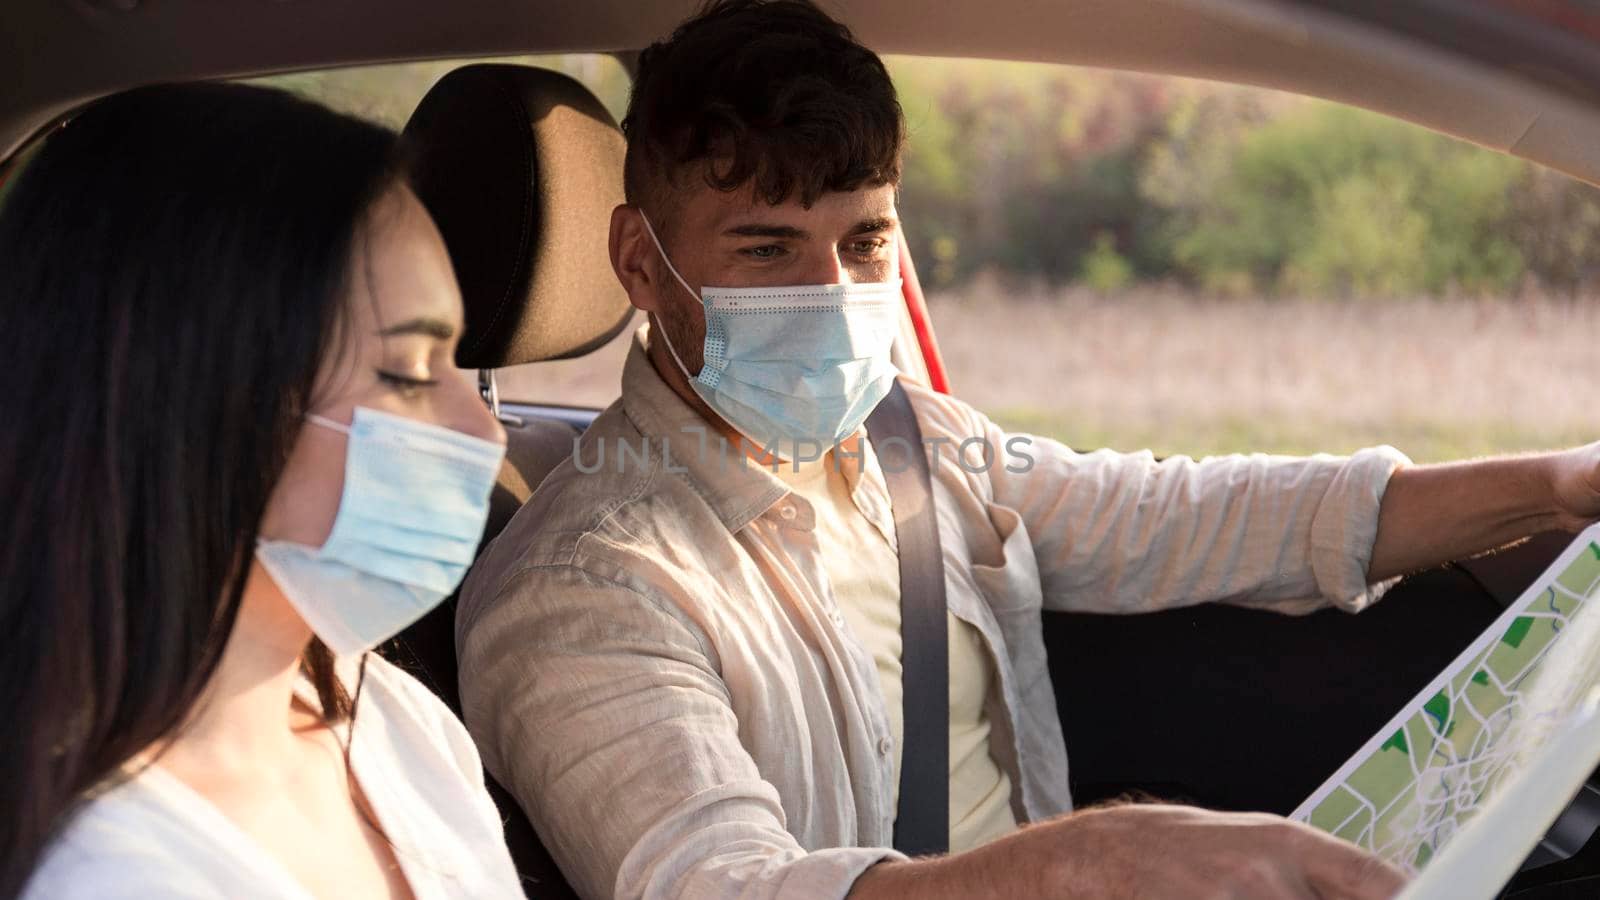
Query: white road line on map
(1362,806)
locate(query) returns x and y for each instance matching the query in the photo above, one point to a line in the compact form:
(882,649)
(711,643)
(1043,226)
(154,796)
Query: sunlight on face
(722,239)
(397,355)
(732,240)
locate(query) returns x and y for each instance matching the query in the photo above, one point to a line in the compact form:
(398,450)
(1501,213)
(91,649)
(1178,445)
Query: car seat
(520,168)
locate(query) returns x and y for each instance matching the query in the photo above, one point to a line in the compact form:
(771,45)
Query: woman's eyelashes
(405,385)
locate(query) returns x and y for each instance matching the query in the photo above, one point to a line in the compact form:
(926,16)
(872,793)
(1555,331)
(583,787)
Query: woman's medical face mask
(412,511)
(785,365)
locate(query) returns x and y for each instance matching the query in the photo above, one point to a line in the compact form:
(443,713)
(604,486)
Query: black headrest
(521,168)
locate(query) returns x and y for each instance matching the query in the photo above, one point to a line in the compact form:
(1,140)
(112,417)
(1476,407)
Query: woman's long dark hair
(172,268)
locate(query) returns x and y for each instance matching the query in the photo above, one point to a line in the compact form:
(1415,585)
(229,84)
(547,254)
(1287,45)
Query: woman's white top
(154,836)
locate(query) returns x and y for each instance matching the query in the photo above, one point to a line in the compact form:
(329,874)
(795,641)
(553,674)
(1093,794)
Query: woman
(236,455)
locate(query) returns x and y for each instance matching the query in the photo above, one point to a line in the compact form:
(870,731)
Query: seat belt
(922,821)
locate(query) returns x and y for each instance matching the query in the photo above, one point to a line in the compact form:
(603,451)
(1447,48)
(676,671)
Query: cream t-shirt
(864,570)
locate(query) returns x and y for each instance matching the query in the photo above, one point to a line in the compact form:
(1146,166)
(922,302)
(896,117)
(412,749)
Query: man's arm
(1146,851)
(605,715)
(1125,532)
(612,728)
(1433,514)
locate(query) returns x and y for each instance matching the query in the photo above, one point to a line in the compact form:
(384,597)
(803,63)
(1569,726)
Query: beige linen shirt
(863,576)
(652,661)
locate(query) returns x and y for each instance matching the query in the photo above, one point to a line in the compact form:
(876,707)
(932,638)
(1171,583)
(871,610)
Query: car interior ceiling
(520,168)
(63,54)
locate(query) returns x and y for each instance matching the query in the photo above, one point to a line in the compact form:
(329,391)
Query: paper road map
(1421,778)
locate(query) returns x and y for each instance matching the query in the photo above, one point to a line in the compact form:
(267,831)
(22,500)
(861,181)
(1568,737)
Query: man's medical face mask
(790,364)
(412,511)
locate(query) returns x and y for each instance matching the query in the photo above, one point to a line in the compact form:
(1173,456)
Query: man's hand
(1157,852)
(1178,851)
(1576,479)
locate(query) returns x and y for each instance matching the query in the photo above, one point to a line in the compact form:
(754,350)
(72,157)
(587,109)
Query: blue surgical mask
(410,517)
(785,365)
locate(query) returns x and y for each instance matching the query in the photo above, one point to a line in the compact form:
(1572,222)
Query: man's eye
(767,251)
(868,247)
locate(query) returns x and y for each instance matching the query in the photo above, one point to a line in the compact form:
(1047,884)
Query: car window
(1133,261)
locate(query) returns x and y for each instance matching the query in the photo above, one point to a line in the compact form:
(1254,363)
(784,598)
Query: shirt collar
(737,489)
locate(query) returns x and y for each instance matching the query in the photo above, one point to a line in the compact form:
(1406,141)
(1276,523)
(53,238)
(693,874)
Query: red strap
(917,306)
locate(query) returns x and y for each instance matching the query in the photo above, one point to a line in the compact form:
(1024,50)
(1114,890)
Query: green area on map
(1426,778)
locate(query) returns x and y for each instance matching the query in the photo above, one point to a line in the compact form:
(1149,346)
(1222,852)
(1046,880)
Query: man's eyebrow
(786,232)
(437,328)
(789,232)
(871,226)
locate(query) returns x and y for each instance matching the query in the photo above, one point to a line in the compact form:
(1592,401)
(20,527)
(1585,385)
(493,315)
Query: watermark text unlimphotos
(696,447)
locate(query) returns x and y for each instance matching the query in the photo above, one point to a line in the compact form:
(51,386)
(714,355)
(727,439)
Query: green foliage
(1023,168)
(1062,175)
(1104,269)
(1327,199)
(1366,237)
(1019,168)
(1556,222)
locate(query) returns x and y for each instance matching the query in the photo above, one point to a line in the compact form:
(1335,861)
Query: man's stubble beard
(684,329)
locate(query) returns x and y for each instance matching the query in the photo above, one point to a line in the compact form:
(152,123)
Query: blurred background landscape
(1132,261)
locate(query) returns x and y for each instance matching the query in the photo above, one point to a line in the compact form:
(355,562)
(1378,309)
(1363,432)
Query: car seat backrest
(520,168)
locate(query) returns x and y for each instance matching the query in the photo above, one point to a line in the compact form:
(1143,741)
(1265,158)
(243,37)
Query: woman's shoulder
(433,771)
(416,717)
(121,844)
(80,875)
(400,695)
(396,683)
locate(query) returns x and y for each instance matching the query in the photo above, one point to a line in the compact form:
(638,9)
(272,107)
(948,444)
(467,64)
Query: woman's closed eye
(405,385)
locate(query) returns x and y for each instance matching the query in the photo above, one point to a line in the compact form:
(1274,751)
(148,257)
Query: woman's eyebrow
(431,327)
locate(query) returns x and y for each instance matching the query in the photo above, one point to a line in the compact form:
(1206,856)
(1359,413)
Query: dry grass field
(1440,379)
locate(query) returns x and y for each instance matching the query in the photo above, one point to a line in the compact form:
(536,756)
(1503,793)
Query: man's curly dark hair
(768,93)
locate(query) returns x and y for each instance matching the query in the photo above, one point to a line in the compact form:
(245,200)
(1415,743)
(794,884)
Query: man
(685,660)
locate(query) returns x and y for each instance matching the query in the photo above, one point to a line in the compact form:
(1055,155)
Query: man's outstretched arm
(1436,513)
(1146,851)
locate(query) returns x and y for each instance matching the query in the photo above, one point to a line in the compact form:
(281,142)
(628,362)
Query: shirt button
(787,512)
(885,746)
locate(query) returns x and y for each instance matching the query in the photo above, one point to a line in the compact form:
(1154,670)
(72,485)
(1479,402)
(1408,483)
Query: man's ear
(634,258)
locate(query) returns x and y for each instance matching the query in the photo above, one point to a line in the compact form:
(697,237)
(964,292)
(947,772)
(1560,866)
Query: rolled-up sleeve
(1125,532)
(601,709)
